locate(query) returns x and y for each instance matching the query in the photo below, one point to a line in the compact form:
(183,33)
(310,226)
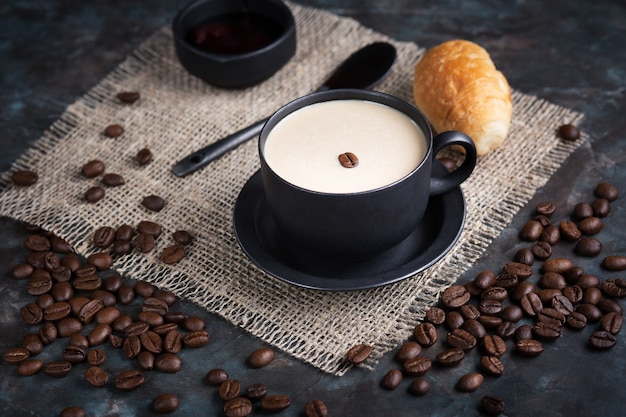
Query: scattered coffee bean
(602,339)
(153,203)
(316,408)
(216,376)
(419,387)
(531,231)
(590,225)
(569,132)
(614,263)
(455,296)
(529,347)
(492,405)
(113,180)
(261,357)
(606,191)
(129,380)
(601,207)
(256,391)
(275,403)
(165,403)
(57,369)
(113,131)
(450,357)
(417,366)
(96,376)
(545,208)
(358,354)
(92,169)
(492,365)
(392,379)
(470,382)
(182,237)
(128,97)
(408,350)
(24,178)
(29,367)
(588,246)
(173,254)
(229,389)
(238,407)
(144,156)
(94,194)
(348,160)
(73,411)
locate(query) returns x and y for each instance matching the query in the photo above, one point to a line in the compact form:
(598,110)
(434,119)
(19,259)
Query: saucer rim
(249,241)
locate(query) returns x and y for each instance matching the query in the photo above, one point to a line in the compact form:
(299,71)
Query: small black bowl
(234,43)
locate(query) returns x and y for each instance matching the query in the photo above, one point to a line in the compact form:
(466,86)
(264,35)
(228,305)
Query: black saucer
(259,238)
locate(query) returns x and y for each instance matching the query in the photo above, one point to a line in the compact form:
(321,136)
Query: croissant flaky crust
(457,87)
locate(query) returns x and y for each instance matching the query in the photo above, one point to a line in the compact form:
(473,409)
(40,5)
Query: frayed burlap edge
(178,114)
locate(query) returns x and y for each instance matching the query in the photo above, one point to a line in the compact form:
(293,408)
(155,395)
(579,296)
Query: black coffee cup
(357,225)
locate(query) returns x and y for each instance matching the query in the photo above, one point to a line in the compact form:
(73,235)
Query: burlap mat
(178,113)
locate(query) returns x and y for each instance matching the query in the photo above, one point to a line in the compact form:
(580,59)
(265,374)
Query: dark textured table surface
(570,53)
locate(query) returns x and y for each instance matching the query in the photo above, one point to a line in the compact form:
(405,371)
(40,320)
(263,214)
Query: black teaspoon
(363,69)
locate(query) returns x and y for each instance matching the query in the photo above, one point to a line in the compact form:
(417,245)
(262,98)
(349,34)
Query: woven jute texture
(178,114)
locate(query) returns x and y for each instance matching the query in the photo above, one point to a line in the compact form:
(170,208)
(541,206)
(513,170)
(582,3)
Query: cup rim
(378,97)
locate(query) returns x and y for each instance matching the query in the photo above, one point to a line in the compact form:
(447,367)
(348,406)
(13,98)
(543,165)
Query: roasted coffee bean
(316,408)
(45,300)
(167,296)
(348,160)
(128,97)
(590,225)
(32,343)
(469,382)
(238,407)
(542,219)
(96,376)
(93,168)
(122,247)
(216,376)
(485,279)
(590,311)
(591,295)
(522,289)
(419,387)
(450,357)
(94,194)
(425,334)
(168,362)
(546,330)
(606,191)
(96,357)
(24,177)
(153,203)
(521,270)
(29,367)
(472,289)
(462,339)
(573,293)
(531,304)
(172,341)
(145,360)
(601,207)
(147,227)
(490,322)
(392,379)
(495,293)
(125,294)
(22,271)
(547,294)
(492,365)
(99,334)
(39,284)
(531,231)
(84,271)
(469,311)
(131,346)
(229,389)
(606,305)
(542,250)
(136,328)
(551,315)
(196,338)
(417,366)
(87,283)
(107,297)
(614,287)
(15,355)
(569,132)
(435,315)
(545,208)
(490,307)
(107,315)
(154,304)
(475,328)
(37,243)
(89,310)
(506,329)
(73,354)
(165,403)
(492,405)
(129,380)
(588,281)
(143,243)
(512,313)
(37,259)
(115,341)
(100,260)
(455,296)
(143,156)
(562,304)
(256,391)
(32,313)
(551,234)
(113,180)
(524,256)
(523,332)
(529,347)
(182,237)
(552,280)
(57,369)
(122,322)
(61,274)
(152,318)
(261,357)
(173,254)
(408,350)
(557,265)
(78,339)
(71,260)
(601,339)
(494,345)
(151,342)
(614,263)
(113,131)
(588,246)
(581,211)
(103,237)
(57,311)
(275,403)
(612,323)
(73,411)
(454,320)
(48,333)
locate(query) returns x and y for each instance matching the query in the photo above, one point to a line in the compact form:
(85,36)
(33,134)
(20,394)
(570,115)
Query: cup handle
(439,185)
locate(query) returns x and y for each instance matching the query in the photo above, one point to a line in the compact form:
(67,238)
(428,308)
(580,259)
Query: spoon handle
(204,156)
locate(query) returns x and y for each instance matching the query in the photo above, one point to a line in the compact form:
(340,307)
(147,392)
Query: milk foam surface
(303,148)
